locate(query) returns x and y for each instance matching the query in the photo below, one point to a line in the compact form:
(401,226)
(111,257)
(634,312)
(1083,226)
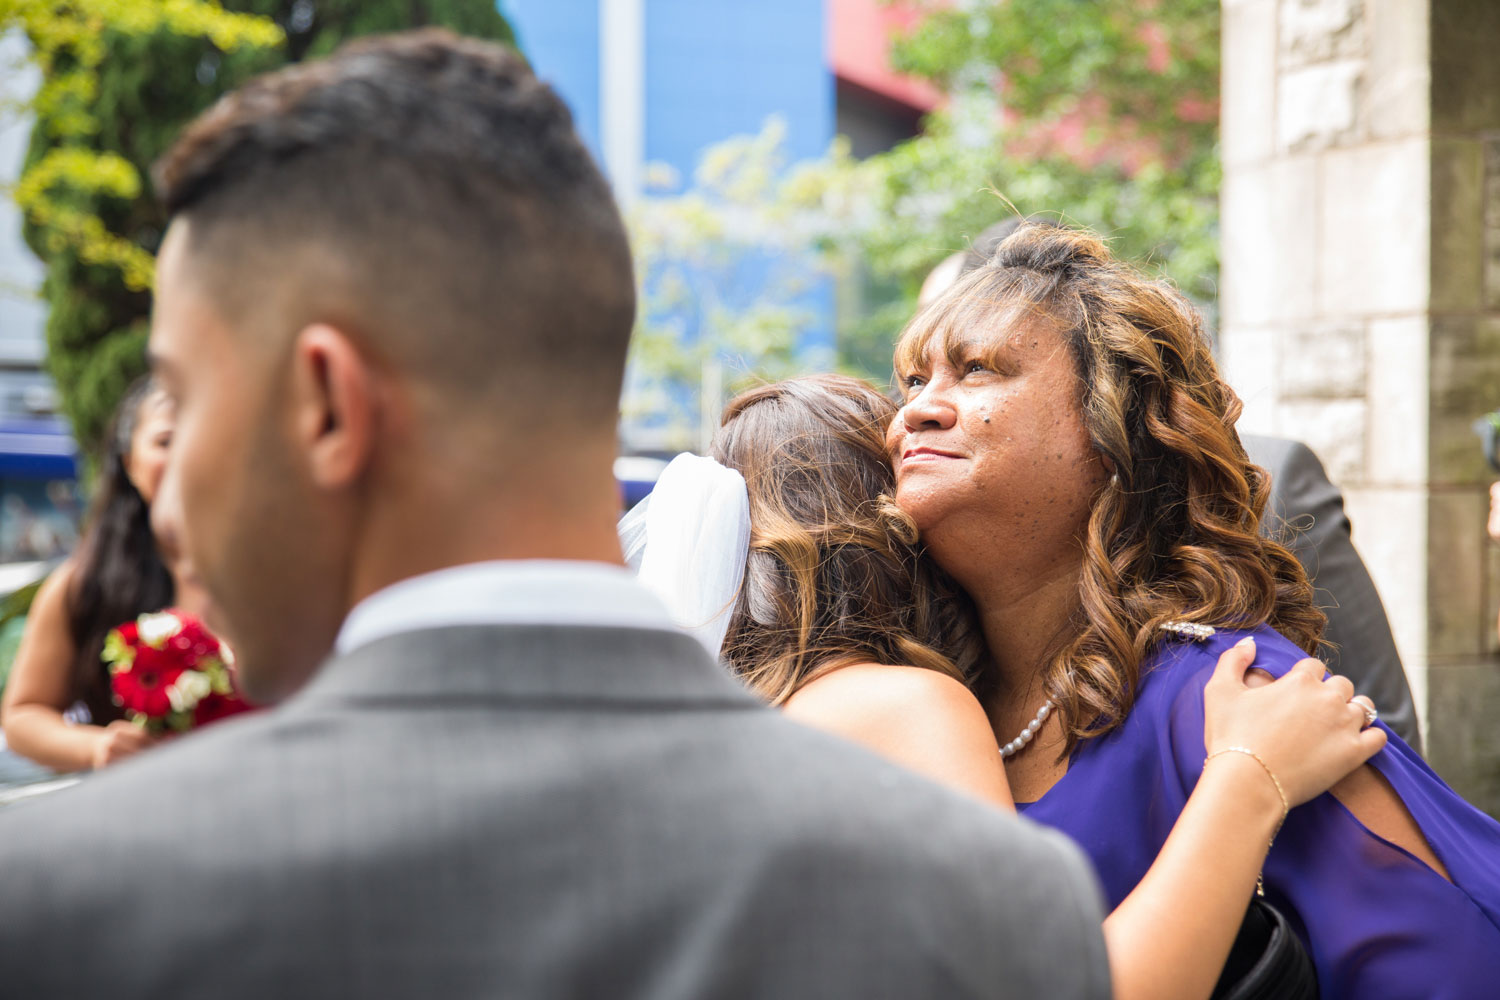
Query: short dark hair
(429,192)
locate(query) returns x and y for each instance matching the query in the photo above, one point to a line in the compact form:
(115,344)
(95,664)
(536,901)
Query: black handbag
(1268,960)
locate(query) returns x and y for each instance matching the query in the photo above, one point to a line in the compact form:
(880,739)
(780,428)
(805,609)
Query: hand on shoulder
(923,720)
(1306,730)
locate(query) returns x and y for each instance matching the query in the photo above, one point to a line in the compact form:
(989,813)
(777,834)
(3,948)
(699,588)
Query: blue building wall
(717,68)
(561,39)
(714,68)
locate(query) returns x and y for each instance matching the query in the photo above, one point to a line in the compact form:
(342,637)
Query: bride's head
(1065,423)
(833,576)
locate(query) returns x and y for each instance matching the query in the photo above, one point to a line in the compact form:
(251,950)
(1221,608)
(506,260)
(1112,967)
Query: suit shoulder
(1267,452)
(972,884)
(1302,460)
(196,767)
(1284,457)
(834,795)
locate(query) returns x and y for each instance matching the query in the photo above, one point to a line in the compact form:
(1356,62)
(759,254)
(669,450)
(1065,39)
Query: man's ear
(336,398)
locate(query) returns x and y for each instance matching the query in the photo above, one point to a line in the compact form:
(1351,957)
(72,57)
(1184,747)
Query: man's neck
(411,540)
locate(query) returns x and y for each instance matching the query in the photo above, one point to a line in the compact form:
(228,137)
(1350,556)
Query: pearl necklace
(1018,744)
(1187,630)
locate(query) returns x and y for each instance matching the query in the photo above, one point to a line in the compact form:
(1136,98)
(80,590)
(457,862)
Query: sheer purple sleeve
(1378,921)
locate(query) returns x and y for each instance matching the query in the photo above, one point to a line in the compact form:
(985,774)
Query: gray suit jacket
(1307,513)
(532,811)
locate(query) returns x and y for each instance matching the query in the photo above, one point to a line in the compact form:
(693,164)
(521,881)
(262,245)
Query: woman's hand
(1309,732)
(118,740)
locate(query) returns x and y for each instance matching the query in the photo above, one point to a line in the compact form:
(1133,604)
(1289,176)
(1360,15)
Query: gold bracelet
(1260,885)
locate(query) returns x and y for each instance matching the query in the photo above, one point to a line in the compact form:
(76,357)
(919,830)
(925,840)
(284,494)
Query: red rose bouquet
(169,673)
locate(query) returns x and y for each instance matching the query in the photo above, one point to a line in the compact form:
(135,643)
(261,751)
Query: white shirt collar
(515,592)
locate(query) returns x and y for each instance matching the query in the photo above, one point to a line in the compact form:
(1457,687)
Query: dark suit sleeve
(1020,914)
(1064,925)
(913,891)
(1310,516)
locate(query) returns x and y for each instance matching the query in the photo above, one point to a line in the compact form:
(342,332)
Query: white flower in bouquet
(156,629)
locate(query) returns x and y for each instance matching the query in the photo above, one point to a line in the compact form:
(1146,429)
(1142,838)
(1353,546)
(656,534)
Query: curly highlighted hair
(834,575)
(1175,535)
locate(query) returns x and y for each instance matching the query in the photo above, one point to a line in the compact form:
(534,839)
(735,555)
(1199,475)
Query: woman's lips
(926,455)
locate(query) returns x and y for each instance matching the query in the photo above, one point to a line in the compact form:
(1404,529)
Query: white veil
(688,542)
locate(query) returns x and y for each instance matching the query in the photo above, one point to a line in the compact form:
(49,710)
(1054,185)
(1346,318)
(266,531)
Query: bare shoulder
(921,719)
(52,595)
(41,670)
(880,693)
(1370,798)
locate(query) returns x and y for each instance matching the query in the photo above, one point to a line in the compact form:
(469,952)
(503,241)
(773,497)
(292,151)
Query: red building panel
(859,33)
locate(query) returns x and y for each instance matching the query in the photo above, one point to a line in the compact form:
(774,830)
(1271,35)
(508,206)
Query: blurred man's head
(395,288)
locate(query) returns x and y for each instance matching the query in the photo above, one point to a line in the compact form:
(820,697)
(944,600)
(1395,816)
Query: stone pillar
(1361,308)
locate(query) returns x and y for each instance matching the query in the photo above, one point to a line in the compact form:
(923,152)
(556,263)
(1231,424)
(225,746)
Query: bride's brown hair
(1175,536)
(834,576)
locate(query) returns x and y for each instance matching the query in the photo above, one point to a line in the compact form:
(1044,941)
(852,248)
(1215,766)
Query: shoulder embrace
(927,722)
(1177,664)
(876,695)
(55,587)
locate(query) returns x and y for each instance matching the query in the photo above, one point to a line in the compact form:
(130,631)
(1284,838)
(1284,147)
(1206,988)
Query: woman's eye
(913,382)
(971,367)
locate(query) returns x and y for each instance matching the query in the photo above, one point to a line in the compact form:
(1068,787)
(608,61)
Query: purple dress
(1378,922)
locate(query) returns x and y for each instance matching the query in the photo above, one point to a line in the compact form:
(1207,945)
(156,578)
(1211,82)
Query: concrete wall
(1361,307)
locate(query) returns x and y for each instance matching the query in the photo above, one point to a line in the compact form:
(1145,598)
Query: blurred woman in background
(57,708)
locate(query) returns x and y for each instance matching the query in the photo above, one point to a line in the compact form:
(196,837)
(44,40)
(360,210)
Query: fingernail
(1247,641)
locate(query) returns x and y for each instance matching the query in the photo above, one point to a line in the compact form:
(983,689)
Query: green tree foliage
(1110,115)
(1102,114)
(119,79)
(730,276)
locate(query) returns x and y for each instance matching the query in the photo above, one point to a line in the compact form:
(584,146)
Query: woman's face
(990,448)
(147,459)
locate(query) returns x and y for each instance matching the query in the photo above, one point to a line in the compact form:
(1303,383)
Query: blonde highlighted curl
(1175,536)
(834,576)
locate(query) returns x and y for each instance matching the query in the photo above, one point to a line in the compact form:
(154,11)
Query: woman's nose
(929,409)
